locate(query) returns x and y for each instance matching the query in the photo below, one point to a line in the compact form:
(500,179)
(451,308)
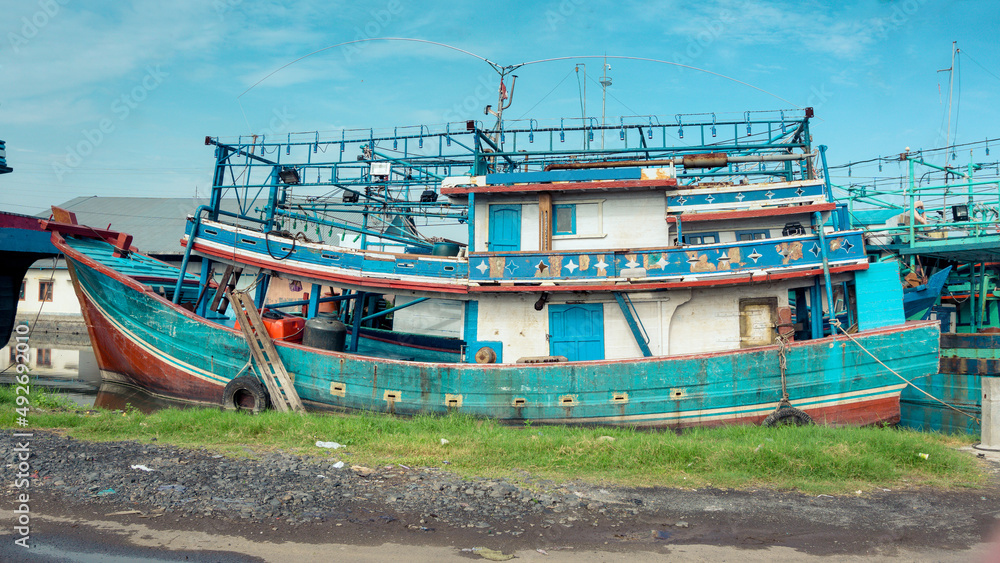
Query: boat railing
(962,210)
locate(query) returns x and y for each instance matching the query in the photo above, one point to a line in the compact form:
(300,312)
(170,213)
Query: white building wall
(64,300)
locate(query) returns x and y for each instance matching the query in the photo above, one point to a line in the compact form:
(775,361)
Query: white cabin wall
(529,227)
(513,320)
(434,317)
(628,220)
(709,322)
(529,221)
(636,220)
(654,312)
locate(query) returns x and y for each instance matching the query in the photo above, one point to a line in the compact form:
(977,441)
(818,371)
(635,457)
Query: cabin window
(565,219)
(579,219)
(752,235)
(45,290)
(702,238)
(24,284)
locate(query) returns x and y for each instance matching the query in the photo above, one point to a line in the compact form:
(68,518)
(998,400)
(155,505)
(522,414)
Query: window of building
(13,353)
(752,235)
(565,219)
(44,357)
(701,238)
(45,290)
(24,284)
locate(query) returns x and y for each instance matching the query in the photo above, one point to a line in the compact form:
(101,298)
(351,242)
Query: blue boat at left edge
(642,283)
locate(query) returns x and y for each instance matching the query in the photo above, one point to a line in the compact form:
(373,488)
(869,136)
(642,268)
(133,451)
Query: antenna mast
(605,82)
(951,85)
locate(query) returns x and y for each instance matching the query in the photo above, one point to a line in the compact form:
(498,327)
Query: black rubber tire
(787,415)
(246,393)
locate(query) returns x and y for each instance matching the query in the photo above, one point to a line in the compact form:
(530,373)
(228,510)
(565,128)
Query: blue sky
(115,98)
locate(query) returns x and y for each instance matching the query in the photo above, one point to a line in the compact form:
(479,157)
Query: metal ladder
(279,383)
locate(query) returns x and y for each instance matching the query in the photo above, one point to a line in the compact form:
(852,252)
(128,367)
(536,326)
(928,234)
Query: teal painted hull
(143,339)
(965,360)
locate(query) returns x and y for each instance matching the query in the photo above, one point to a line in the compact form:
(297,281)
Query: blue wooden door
(505,228)
(577,331)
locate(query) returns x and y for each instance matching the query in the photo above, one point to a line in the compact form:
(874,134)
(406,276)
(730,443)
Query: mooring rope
(836,323)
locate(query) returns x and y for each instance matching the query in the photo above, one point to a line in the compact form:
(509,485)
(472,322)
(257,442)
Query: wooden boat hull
(144,340)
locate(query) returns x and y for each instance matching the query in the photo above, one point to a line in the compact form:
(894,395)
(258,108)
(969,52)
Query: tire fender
(787,415)
(246,393)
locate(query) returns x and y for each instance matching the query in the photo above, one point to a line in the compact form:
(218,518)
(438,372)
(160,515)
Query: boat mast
(605,82)
(502,95)
(951,86)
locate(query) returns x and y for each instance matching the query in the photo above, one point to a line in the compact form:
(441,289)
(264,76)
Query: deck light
(960,213)
(429,196)
(289,175)
(350,197)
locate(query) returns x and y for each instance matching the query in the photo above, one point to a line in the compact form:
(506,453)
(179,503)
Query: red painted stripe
(748,213)
(561,187)
(863,412)
(659,285)
(335,278)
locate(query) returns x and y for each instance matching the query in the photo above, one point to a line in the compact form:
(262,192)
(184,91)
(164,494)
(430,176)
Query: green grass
(813,459)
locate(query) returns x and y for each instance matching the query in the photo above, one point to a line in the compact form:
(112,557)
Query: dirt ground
(674,525)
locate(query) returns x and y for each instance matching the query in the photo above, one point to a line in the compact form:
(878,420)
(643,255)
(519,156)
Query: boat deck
(159,275)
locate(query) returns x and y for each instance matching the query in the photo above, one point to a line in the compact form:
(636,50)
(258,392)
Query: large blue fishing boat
(695,273)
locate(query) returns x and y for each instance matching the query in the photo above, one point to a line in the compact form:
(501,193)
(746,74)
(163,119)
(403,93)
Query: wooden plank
(248,333)
(279,383)
(63,216)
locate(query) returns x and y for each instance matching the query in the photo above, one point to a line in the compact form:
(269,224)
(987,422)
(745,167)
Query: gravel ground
(306,497)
